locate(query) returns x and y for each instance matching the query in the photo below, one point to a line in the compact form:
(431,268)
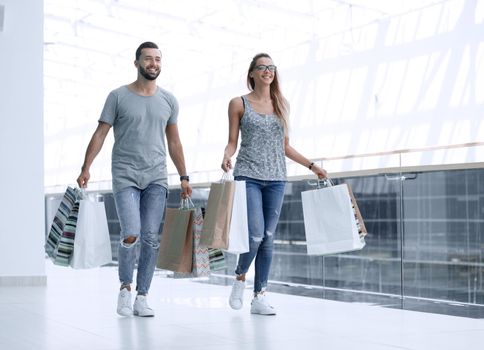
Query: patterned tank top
(261,155)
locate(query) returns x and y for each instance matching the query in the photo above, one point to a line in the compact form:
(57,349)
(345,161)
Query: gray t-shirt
(139,123)
(262,153)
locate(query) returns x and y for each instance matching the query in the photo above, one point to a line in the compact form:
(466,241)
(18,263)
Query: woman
(262,118)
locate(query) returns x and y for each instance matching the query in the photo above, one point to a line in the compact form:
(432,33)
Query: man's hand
(83,179)
(186,189)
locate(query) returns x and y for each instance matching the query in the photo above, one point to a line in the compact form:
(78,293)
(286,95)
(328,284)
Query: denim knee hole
(129,245)
(257,239)
(151,240)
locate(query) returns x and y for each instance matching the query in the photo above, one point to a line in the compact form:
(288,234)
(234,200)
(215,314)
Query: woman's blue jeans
(140,213)
(264,203)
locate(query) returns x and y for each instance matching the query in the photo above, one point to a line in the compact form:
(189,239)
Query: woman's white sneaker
(124,303)
(141,307)
(236,300)
(261,306)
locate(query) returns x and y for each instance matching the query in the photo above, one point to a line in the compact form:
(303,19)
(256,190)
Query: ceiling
(206,47)
(198,36)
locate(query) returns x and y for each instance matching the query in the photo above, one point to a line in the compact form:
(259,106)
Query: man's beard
(147,75)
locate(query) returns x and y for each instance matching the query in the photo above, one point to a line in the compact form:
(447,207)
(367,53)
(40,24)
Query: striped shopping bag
(60,240)
(216,259)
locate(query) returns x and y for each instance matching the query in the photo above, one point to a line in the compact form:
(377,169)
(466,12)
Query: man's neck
(144,87)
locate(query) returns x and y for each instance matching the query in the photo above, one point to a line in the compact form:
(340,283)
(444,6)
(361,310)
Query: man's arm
(94,147)
(175,149)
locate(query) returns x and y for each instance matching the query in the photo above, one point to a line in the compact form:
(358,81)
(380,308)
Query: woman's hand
(320,172)
(226,164)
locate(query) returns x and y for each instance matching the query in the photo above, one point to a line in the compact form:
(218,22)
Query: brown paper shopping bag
(200,256)
(176,246)
(360,224)
(217,215)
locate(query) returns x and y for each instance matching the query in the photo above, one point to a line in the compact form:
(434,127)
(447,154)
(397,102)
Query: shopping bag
(216,259)
(329,221)
(238,233)
(360,224)
(176,246)
(218,214)
(92,243)
(60,240)
(64,250)
(200,257)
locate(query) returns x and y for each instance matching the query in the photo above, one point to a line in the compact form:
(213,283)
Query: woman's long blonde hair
(279,102)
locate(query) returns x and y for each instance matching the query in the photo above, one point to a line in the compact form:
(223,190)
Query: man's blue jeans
(264,203)
(140,214)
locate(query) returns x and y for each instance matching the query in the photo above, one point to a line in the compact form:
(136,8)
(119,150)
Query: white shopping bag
(329,221)
(239,227)
(92,245)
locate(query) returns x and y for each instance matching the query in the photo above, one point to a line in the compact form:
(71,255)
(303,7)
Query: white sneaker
(124,303)
(141,307)
(261,306)
(236,300)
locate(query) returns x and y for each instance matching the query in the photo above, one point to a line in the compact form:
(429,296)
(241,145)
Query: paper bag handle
(321,183)
(186,203)
(227,176)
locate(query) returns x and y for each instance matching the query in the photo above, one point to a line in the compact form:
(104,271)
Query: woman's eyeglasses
(263,67)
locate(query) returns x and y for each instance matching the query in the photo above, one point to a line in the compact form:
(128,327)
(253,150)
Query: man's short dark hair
(145,45)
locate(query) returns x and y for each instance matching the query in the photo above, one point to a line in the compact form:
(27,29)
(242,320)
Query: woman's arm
(236,111)
(297,157)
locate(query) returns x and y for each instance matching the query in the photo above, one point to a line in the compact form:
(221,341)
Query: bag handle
(322,183)
(227,176)
(82,194)
(186,204)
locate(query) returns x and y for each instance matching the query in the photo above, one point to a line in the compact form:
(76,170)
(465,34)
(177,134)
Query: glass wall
(424,249)
(443,223)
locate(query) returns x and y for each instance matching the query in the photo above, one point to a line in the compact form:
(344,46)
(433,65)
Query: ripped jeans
(264,203)
(140,214)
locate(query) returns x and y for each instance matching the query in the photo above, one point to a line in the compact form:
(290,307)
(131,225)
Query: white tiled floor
(77,311)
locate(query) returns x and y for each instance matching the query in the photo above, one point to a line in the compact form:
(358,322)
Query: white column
(22,225)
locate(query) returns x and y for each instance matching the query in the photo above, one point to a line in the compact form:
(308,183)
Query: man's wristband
(185,177)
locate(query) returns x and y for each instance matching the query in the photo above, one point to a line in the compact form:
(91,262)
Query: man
(141,115)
